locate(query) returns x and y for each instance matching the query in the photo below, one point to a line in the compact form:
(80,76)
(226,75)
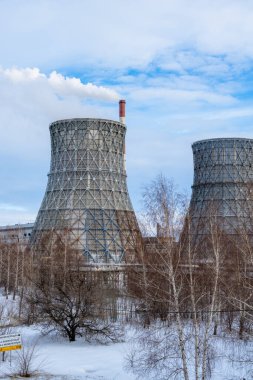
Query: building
(222,187)
(86,194)
(16,233)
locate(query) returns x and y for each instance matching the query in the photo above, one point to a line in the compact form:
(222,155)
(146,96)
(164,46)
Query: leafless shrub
(154,354)
(25,360)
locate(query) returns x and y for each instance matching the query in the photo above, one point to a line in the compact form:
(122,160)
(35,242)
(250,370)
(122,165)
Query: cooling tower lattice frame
(87,190)
(222,186)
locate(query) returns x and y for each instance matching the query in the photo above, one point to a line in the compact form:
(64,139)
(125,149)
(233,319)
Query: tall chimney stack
(122,111)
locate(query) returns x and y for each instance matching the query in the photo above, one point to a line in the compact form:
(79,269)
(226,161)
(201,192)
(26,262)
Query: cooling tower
(87,190)
(222,187)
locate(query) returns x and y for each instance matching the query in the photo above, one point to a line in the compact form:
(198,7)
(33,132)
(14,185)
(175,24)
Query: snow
(77,360)
(57,358)
(80,360)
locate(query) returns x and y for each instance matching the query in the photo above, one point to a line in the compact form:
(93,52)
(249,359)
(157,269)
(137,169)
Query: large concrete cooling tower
(223,186)
(87,191)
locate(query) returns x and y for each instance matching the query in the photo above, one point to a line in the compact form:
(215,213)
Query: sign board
(10,342)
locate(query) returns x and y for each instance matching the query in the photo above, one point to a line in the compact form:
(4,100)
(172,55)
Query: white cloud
(30,100)
(119,33)
(233,113)
(63,86)
(73,86)
(182,96)
(22,75)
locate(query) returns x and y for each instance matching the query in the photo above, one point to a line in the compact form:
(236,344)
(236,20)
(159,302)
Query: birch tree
(178,286)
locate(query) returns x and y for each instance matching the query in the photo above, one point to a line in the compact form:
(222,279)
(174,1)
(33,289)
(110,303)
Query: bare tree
(70,296)
(13,260)
(178,287)
(239,288)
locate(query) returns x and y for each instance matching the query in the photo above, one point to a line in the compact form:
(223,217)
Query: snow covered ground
(57,358)
(75,360)
(78,360)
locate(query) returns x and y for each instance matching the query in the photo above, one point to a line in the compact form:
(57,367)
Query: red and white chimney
(122,111)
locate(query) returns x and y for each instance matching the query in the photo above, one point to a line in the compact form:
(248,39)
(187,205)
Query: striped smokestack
(122,111)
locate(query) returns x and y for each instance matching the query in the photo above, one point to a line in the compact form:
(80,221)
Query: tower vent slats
(223,185)
(87,192)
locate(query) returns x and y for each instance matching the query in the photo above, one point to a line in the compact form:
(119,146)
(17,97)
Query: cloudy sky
(183,66)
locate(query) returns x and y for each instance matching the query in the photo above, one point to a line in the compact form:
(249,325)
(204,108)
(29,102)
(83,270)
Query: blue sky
(184,68)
